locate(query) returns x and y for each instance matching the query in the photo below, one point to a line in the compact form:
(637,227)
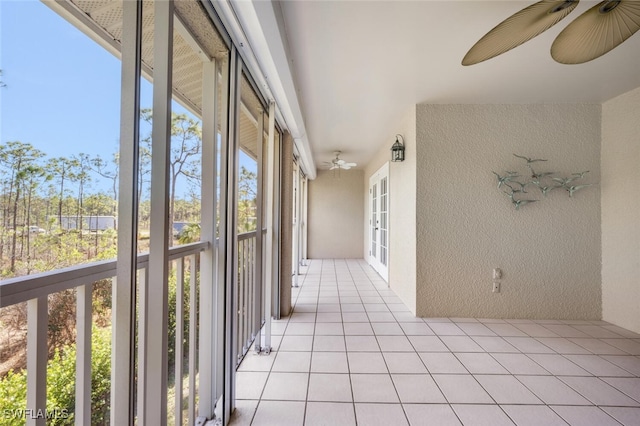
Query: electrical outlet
(496,287)
(497,273)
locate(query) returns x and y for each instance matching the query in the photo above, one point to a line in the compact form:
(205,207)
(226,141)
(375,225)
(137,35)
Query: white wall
(550,251)
(402,210)
(335,215)
(621,211)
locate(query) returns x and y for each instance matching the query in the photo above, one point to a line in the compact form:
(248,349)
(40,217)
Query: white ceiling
(359,65)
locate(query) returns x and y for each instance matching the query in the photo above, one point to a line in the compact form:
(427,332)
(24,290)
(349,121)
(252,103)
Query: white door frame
(378,229)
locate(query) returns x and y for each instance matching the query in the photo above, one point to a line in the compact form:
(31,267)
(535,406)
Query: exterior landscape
(57,212)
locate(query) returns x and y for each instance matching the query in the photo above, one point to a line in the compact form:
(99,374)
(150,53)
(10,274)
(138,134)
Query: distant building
(89,223)
(178,227)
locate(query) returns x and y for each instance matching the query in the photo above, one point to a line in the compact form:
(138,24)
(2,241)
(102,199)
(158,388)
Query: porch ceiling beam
(189,38)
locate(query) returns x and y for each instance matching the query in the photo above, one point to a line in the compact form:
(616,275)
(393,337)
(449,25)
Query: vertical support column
(277,226)
(229,186)
(295,223)
(157,298)
(259,266)
(224,312)
(286,213)
(123,287)
(209,307)
(270,256)
(37,353)
(298,234)
(84,321)
(304,217)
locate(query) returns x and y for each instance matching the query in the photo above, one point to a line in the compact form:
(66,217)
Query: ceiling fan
(338,163)
(592,34)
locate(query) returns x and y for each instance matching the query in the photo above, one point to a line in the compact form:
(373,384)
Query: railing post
(143,290)
(84,322)
(246,288)
(37,354)
(193,310)
(239,287)
(179,339)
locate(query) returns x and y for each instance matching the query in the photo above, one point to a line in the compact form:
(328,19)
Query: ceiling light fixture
(594,33)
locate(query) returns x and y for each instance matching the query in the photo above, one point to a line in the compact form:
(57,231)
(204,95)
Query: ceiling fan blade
(345,167)
(518,29)
(596,32)
(339,161)
(350,164)
(334,166)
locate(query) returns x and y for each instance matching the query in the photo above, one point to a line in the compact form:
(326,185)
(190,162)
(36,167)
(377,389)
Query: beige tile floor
(351,353)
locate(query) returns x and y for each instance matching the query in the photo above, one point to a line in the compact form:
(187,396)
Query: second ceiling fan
(338,163)
(591,35)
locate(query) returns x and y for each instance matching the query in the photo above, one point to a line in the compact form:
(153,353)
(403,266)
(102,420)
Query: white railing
(248,294)
(35,289)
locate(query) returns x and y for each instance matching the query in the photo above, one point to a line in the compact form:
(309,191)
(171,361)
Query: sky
(62,91)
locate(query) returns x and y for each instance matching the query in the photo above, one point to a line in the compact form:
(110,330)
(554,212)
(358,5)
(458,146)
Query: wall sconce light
(397,150)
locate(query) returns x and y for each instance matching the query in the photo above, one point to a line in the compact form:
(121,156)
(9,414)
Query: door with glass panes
(379,221)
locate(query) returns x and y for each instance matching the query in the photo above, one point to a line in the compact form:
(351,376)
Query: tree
(33,177)
(186,140)
(21,159)
(189,234)
(97,205)
(144,166)
(99,166)
(82,164)
(62,168)
(247,197)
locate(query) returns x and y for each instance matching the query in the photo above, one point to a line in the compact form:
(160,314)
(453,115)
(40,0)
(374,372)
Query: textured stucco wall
(621,211)
(550,251)
(402,210)
(335,215)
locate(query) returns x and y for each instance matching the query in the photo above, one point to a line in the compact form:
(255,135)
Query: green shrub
(13,396)
(61,373)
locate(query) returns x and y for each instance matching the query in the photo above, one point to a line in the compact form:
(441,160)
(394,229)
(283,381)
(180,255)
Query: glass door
(379,221)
